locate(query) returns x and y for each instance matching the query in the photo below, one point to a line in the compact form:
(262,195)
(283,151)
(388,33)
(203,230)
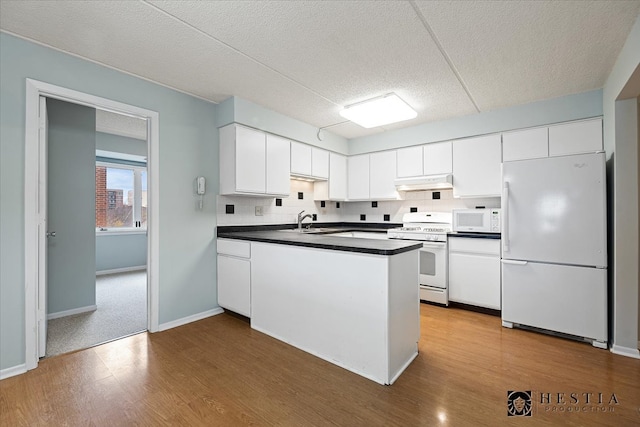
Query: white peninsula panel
(358,311)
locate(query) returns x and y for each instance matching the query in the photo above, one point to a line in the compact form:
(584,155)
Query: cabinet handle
(514,262)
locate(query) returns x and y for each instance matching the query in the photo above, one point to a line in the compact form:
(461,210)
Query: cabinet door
(525,144)
(234,284)
(474,272)
(575,138)
(475,280)
(477,167)
(337,184)
(437,158)
(300,158)
(382,173)
(250,160)
(319,163)
(358,177)
(278,160)
(409,162)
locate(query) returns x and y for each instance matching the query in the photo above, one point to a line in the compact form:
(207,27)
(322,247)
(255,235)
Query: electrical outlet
(258,210)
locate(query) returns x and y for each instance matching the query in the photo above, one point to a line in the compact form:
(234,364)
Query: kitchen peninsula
(353,302)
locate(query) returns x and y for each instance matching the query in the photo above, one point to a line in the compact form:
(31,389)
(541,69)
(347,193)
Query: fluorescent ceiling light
(379,111)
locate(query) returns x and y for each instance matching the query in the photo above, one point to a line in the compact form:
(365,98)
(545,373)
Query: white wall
(239,110)
(621,144)
(563,109)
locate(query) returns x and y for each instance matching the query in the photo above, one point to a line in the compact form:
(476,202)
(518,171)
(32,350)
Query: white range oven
(431,228)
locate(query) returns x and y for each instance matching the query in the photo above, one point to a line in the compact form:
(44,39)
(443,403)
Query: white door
(476,166)
(337,177)
(409,162)
(382,173)
(561,298)
(250,160)
(42,228)
(554,210)
(278,158)
(438,158)
(358,177)
(319,163)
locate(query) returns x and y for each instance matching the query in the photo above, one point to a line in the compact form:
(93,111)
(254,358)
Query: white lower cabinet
(474,272)
(234,276)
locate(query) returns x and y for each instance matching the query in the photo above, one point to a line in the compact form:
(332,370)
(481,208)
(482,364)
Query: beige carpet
(122,311)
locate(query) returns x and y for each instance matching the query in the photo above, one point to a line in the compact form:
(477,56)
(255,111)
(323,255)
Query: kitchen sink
(319,230)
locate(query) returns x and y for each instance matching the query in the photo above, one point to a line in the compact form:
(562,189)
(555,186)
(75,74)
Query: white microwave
(476,220)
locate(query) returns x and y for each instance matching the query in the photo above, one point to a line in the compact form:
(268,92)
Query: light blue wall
(188,148)
(622,174)
(121,144)
(566,108)
(71,259)
(120,251)
(242,111)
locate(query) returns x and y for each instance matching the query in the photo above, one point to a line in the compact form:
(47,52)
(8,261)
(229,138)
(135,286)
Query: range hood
(427,182)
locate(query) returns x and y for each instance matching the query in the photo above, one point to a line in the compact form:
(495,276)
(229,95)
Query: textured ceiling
(120,124)
(307,59)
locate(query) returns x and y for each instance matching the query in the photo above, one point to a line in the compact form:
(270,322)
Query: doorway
(96,226)
(35,212)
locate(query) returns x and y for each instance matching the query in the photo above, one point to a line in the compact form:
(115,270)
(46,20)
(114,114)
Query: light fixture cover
(379,111)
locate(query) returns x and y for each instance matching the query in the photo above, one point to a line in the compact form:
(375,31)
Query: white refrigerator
(554,245)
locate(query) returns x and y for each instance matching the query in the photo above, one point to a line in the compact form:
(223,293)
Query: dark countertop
(495,236)
(343,226)
(320,240)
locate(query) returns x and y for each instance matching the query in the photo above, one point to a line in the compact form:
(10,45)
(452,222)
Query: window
(121,196)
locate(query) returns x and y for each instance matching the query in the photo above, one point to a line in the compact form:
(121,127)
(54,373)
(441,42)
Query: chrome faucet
(302,218)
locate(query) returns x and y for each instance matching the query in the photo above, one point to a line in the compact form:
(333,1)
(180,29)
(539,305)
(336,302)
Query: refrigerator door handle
(505,217)
(514,262)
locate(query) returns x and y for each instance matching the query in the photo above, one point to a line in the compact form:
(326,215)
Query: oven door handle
(434,245)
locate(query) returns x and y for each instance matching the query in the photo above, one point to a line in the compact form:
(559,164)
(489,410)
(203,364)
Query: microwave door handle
(505,217)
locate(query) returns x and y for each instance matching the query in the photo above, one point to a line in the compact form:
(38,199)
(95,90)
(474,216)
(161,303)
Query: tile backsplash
(245,207)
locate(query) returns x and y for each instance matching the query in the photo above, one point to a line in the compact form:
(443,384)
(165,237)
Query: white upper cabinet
(245,162)
(437,158)
(300,159)
(319,163)
(277,173)
(409,162)
(358,177)
(429,159)
(574,138)
(335,188)
(477,166)
(309,161)
(245,151)
(382,174)
(525,144)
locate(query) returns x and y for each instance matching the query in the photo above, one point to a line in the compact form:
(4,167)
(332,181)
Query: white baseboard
(13,371)
(625,351)
(121,270)
(189,319)
(71,312)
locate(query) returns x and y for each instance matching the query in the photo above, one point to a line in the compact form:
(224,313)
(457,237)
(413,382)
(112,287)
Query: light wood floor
(220,372)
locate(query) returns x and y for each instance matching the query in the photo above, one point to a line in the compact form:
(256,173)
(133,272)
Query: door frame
(35,181)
